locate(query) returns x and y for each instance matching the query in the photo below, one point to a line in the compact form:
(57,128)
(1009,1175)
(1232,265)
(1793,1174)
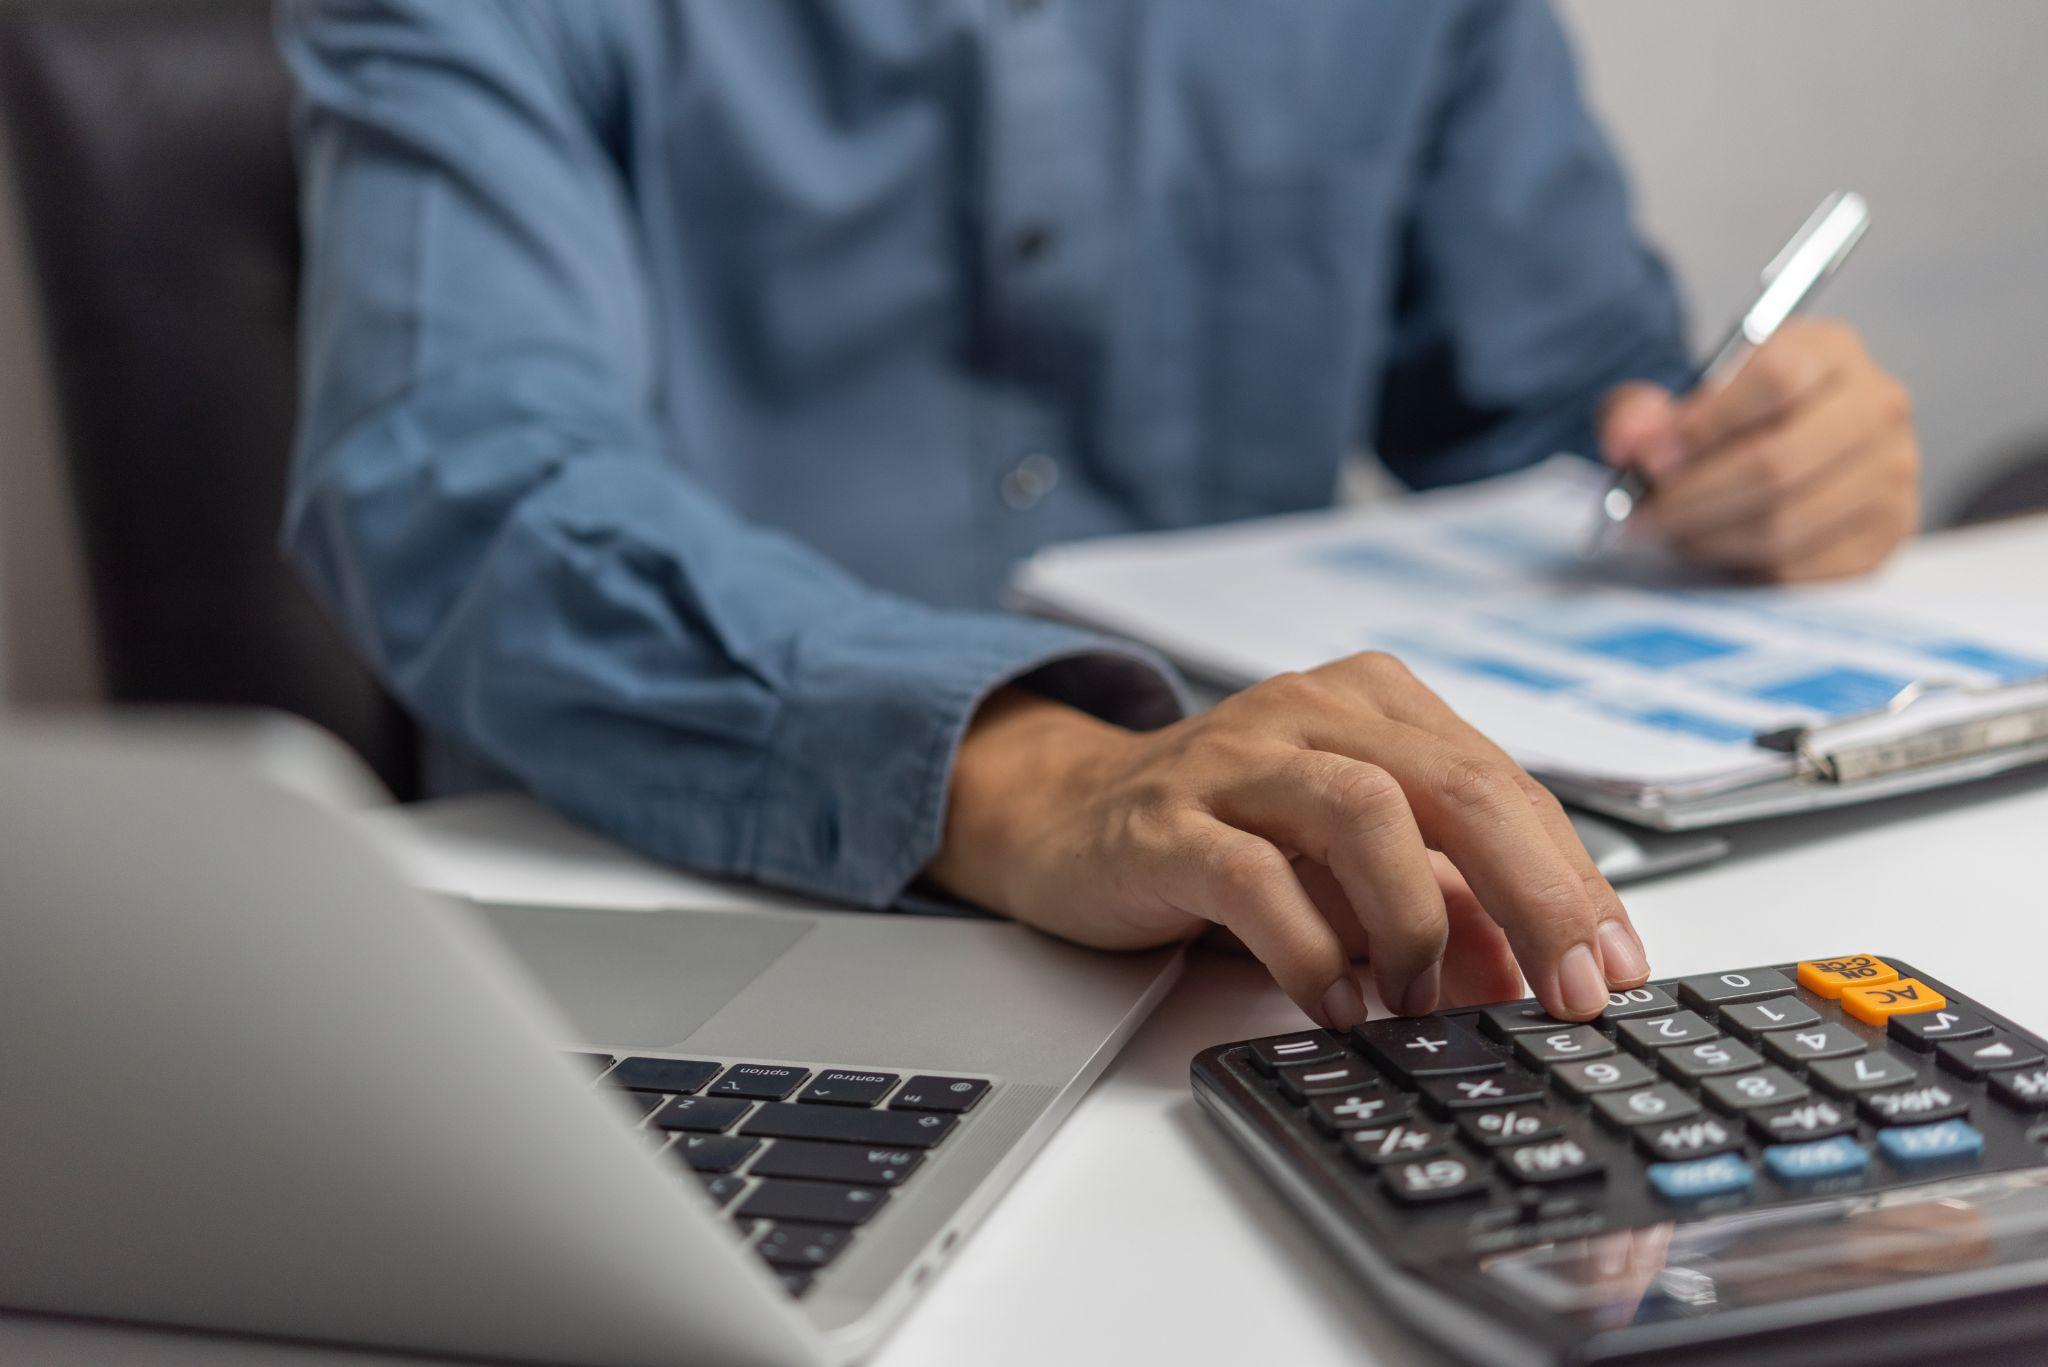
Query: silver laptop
(250,1080)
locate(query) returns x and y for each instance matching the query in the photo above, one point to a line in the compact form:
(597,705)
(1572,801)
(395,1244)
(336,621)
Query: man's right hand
(1342,814)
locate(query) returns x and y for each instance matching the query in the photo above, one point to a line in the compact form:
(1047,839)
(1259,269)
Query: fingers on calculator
(1750,1086)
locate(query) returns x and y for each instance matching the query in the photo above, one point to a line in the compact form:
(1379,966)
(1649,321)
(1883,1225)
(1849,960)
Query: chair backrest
(150,144)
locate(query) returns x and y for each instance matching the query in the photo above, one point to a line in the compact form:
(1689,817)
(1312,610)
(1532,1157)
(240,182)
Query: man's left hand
(1803,466)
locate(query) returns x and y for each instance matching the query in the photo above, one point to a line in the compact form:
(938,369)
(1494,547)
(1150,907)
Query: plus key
(1426,1046)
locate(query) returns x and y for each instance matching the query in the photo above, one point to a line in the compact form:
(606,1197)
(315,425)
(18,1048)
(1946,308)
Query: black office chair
(152,160)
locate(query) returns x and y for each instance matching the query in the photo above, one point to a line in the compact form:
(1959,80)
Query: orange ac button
(1877,1004)
(1828,977)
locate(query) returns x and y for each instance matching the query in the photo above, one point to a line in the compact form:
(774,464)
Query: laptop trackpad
(637,979)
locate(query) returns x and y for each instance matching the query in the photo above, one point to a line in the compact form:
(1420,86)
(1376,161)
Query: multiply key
(1507,1087)
(1426,1046)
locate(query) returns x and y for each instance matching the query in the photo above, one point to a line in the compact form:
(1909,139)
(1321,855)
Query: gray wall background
(1735,117)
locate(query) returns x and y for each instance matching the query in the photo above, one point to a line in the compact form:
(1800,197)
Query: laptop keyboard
(798,1157)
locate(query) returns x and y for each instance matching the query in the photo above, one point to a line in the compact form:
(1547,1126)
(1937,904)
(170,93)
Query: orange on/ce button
(1877,1004)
(1829,977)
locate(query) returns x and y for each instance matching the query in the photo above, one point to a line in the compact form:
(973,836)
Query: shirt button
(1029,481)
(1032,242)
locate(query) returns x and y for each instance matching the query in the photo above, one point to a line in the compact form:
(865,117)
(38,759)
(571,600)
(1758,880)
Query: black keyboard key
(713,1152)
(949,1095)
(1752,1020)
(638,1104)
(1401,1142)
(1701,1137)
(1305,1080)
(703,1113)
(1446,1094)
(1751,1091)
(1310,1046)
(1563,1046)
(1929,1101)
(1987,1054)
(675,1075)
(812,1203)
(1797,1121)
(1425,1046)
(883,1129)
(1357,1110)
(1636,1002)
(1510,1019)
(1923,1030)
(1434,1179)
(761,1081)
(1863,1073)
(1552,1161)
(1710,990)
(843,1087)
(593,1064)
(2024,1089)
(859,1164)
(804,1247)
(1652,1105)
(1797,1048)
(1498,1125)
(1603,1075)
(721,1187)
(1690,1063)
(1651,1033)
(796,1283)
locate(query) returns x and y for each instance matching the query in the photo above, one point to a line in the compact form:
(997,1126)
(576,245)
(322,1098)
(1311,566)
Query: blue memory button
(1840,1156)
(1931,1143)
(1698,1178)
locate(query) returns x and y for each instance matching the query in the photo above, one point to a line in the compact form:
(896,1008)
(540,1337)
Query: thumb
(1638,426)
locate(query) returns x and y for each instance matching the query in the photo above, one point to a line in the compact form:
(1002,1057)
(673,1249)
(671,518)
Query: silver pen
(1789,281)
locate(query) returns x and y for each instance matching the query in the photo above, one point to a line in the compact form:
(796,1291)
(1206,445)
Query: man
(682,378)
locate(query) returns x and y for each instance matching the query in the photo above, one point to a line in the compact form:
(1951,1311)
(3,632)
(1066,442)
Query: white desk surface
(1137,1236)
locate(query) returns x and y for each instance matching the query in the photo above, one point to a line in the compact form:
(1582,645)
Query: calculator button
(1700,1137)
(1747,1091)
(1987,1053)
(1496,1125)
(2025,1088)
(1864,1073)
(1356,1110)
(1752,1019)
(1310,1046)
(1929,1028)
(1814,1118)
(1563,1046)
(1915,1105)
(1698,1178)
(1651,1105)
(1876,1005)
(1554,1160)
(1509,1019)
(1655,1032)
(1446,1094)
(1603,1075)
(1407,1140)
(1304,1080)
(1434,1179)
(1827,977)
(1797,1048)
(1425,1046)
(1840,1156)
(1636,1002)
(1709,1058)
(1951,1139)
(1709,990)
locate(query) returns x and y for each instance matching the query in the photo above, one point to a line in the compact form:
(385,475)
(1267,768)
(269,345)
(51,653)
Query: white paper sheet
(1628,672)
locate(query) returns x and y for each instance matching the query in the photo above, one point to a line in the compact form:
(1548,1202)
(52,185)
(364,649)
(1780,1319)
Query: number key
(1602,1075)
(1661,1102)
(1635,1002)
(1709,990)
(1652,1033)
(1752,1019)
(1797,1048)
(1747,1091)
(1864,1073)
(1709,1058)
(1563,1046)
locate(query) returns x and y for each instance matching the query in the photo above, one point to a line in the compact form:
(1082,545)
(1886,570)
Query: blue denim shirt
(682,379)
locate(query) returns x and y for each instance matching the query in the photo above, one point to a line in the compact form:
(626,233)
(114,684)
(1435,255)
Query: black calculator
(1842,1159)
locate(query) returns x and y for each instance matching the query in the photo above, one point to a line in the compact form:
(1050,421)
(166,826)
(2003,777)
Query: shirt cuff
(862,758)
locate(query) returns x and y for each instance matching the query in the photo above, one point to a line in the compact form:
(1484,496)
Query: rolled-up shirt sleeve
(483,497)
(1525,290)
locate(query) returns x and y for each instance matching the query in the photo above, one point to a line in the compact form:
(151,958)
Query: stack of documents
(1628,684)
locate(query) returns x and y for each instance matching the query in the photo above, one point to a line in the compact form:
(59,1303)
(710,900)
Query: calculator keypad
(1717,1088)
